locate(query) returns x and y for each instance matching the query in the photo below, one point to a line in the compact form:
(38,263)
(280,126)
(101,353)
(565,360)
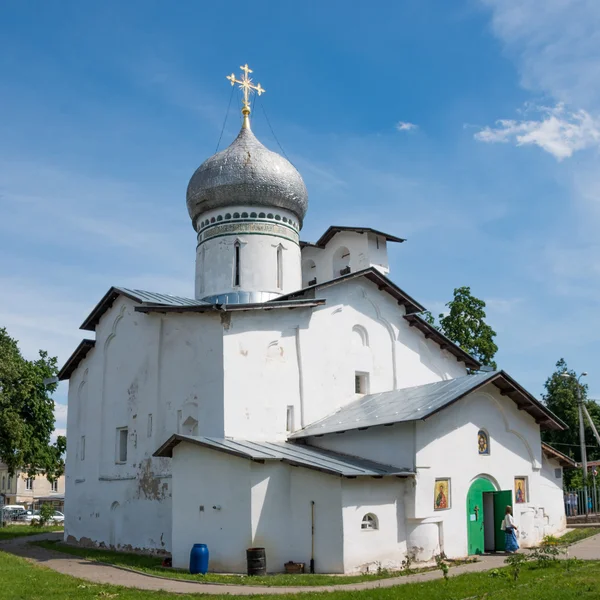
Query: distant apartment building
(30,491)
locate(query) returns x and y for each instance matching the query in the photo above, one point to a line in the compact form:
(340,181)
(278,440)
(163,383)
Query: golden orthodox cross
(247,87)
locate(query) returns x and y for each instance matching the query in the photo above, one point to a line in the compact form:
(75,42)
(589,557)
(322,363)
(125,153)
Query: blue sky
(470,128)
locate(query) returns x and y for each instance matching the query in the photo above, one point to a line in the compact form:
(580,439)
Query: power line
(225,121)
(271,128)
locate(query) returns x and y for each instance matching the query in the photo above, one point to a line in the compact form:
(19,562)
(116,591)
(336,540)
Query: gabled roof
(430,332)
(373,275)
(331,231)
(73,361)
(423,401)
(562,459)
(138,296)
(297,455)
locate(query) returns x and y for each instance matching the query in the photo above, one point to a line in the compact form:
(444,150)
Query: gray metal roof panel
(139,296)
(156,298)
(408,404)
(291,453)
(422,401)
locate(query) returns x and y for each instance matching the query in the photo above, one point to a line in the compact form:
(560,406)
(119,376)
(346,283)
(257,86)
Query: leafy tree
(427,316)
(465,325)
(27,412)
(561,398)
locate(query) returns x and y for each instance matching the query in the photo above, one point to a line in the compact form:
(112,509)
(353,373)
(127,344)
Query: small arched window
(483,442)
(369,522)
(341,262)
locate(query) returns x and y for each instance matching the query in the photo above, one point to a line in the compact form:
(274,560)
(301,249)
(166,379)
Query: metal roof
(562,459)
(422,401)
(299,455)
(73,361)
(373,275)
(430,332)
(333,229)
(264,306)
(138,296)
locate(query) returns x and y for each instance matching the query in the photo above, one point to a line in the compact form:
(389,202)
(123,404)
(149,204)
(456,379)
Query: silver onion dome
(246,173)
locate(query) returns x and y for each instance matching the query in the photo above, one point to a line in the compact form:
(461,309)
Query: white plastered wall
(365,250)
(393,445)
(307,358)
(257,505)
(164,366)
(447,447)
(366,550)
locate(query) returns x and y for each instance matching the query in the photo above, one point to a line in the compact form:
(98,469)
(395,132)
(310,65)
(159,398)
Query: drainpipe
(300,377)
(312,536)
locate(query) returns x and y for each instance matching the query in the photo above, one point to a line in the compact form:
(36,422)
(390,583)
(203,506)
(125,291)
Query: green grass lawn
(23,581)
(13,531)
(578,534)
(152,565)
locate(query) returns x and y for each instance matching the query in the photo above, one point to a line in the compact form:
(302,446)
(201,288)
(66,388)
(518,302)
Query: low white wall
(202,480)
(385,546)
(261,505)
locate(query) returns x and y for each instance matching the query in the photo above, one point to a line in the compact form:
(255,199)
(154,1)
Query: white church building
(297,403)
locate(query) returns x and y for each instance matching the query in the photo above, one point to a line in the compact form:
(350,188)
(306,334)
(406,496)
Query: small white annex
(298,403)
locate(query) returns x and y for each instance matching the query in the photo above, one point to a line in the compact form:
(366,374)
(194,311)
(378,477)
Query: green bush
(46,515)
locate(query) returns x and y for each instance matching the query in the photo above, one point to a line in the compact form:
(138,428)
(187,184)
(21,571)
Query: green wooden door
(475,533)
(501,501)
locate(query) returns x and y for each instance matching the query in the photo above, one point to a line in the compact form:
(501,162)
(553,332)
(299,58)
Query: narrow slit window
(279,267)
(150,425)
(289,423)
(122,434)
(236,264)
(82,451)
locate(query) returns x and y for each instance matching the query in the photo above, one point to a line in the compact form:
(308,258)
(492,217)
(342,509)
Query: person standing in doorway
(510,532)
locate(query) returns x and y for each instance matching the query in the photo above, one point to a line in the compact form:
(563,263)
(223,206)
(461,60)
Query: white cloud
(406,126)
(557,131)
(555,44)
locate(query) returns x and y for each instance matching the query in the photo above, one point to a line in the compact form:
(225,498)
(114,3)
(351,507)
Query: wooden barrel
(256,559)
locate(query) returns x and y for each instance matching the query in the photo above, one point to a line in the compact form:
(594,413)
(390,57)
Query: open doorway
(486,507)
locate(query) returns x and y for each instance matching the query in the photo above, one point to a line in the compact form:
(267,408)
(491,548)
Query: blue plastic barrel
(199,559)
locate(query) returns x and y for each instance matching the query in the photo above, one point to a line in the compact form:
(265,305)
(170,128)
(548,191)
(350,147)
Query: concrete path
(107,574)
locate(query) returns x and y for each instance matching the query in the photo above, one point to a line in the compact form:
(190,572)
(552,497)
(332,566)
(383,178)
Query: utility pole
(582,440)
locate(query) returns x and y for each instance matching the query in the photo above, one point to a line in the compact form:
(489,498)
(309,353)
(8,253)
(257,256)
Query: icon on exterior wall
(520,490)
(483,442)
(441,499)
